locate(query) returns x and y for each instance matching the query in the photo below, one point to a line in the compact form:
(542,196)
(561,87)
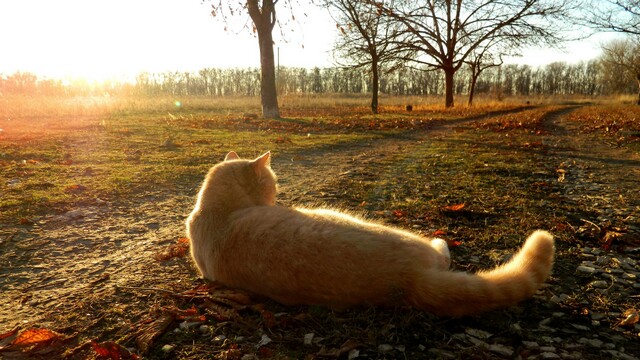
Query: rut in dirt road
(595,176)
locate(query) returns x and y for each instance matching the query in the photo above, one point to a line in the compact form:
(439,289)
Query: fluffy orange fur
(240,238)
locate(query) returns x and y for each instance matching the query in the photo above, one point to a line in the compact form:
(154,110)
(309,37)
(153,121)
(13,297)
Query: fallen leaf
(112,350)
(454,243)
(456,207)
(439,233)
(34,337)
(179,249)
(630,318)
(608,238)
(25,221)
(399,213)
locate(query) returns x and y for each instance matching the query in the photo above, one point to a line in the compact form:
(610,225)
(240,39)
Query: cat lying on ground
(240,238)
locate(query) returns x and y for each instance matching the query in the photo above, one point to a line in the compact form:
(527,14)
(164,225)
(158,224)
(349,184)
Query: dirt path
(598,176)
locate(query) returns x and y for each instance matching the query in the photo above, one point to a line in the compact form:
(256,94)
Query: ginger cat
(240,238)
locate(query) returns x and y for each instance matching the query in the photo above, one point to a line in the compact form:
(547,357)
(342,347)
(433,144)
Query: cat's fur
(240,238)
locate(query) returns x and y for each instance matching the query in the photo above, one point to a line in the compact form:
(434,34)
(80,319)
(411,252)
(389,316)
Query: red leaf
(35,336)
(183,240)
(111,350)
(454,243)
(456,207)
(399,213)
(439,233)
(25,221)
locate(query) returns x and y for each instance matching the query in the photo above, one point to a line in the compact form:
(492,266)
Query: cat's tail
(460,293)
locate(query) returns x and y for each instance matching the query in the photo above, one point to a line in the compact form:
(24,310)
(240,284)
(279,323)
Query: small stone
(531,345)
(603,260)
(442,354)
(544,323)
(480,334)
(354,353)
(558,314)
(501,350)
(421,347)
(580,327)
(188,325)
(619,355)
(218,338)
(308,338)
(167,348)
(595,343)
(549,355)
(628,276)
(204,329)
(548,349)
(383,348)
(264,340)
(597,316)
(599,284)
(584,270)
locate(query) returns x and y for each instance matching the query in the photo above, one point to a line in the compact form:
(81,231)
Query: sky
(117,39)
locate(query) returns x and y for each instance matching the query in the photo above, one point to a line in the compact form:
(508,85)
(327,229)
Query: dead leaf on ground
(31,337)
(608,238)
(455,207)
(629,318)
(112,350)
(179,249)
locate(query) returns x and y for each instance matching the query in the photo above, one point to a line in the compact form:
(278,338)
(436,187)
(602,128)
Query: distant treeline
(584,78)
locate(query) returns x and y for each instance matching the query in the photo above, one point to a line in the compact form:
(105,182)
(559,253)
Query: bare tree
(614,15)
(263,15)
(624,54)
(479,60)
(447,32)
(367,39)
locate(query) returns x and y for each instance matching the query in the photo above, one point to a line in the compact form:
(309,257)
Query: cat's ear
(231,156)
(263,160)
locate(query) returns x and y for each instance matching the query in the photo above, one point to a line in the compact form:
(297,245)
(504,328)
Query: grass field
(94,193)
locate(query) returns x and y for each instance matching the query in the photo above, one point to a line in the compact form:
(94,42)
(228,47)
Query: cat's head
(250,182)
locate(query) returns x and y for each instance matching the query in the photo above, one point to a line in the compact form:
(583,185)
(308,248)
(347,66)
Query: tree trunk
(638,77)
(268,94)
(474,79)
(374,86)
(449,72)
(264,19)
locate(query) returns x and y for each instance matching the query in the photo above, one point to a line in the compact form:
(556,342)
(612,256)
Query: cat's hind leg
(441,247)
